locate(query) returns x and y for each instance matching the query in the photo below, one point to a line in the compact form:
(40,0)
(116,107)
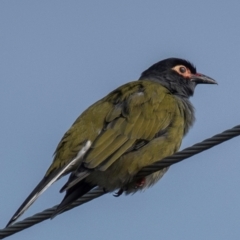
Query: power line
(166,162)
(191,151)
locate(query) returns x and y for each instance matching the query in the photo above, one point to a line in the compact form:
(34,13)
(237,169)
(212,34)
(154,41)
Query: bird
(135,125)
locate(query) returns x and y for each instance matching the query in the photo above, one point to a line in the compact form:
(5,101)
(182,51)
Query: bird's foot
(118,193)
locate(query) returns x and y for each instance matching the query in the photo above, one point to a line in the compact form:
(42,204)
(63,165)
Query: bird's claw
(118,193)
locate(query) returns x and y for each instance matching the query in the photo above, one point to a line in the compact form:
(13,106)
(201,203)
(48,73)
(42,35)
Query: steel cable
(166,162)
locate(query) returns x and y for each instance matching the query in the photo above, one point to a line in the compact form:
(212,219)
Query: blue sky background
(58,57)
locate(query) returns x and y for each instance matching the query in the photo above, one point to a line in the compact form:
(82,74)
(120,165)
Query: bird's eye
(182,69)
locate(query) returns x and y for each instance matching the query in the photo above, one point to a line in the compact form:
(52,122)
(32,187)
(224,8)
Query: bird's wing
(137,116)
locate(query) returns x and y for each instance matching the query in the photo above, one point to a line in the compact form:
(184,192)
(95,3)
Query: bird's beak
(200,78)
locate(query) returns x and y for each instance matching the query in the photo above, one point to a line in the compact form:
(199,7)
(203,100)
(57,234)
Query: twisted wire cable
(166,162)
(191,151)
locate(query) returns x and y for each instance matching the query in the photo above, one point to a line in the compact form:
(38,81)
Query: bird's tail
(45,183)
(72,194)
(37,191)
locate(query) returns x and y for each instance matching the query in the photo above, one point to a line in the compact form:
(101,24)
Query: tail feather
(72,194)
(74,179)
(45,183)
(37,191)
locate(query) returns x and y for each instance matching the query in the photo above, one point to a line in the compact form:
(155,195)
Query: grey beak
(200,78)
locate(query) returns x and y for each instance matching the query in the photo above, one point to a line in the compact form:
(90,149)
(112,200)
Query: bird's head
(178,75)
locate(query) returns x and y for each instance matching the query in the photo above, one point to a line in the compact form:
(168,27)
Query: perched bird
(134,126)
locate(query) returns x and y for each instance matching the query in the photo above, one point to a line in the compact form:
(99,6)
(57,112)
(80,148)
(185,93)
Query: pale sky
(59,57)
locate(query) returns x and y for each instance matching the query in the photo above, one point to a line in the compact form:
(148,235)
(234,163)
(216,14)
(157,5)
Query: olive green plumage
(123,117)
(134,126)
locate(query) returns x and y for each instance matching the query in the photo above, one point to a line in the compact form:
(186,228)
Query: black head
(178,75)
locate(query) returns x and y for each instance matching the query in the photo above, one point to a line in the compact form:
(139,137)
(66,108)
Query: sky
(59,57)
